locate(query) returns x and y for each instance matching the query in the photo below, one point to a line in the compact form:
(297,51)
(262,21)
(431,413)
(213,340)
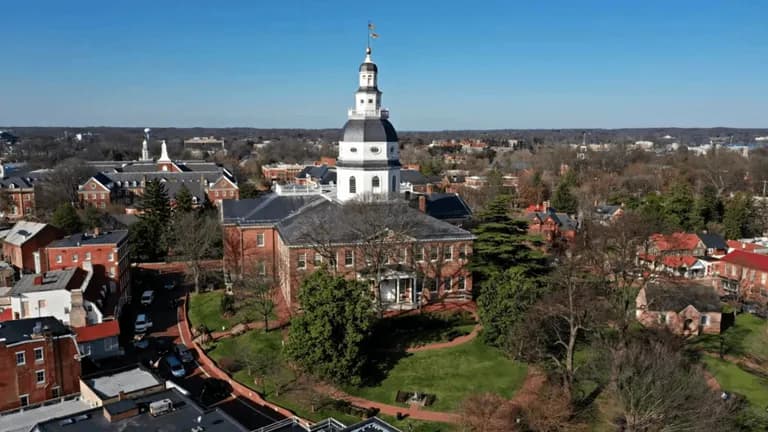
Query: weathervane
(371,34)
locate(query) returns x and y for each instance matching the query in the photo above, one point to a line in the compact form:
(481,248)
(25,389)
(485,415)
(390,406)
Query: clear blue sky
(443,64)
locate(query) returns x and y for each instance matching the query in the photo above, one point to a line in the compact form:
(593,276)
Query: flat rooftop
(23,421)
(184,416)
(109,386)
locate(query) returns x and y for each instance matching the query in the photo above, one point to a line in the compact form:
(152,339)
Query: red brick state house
(291,232)
(123,182)
(39,361)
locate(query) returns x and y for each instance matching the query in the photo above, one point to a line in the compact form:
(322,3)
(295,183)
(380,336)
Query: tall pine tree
(183,200)
(564,200)
(149,234)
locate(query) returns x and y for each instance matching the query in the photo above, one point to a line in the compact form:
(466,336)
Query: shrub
(229,365)
(227,304)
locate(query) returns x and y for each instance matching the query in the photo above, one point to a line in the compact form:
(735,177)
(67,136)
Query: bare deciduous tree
(194,237)
(488,412)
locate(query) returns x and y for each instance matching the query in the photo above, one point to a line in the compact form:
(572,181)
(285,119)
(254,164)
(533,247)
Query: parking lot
(169,293)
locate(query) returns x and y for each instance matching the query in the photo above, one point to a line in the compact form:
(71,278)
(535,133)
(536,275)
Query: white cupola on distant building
(368,165)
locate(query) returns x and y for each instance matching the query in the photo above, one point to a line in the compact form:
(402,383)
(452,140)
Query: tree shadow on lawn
(379,364)
(407,331)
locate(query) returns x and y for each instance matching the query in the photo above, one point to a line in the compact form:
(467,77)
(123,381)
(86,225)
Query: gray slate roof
(713,241)
(369,130)
(446,206)
(52,280)
(676,297)
(105,238)
(323,174)
(412,177)
(23,329)
(562,219)
(266,209)
(295,230)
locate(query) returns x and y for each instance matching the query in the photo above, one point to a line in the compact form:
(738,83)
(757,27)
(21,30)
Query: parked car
(175,366)
(147,298)
(184,353)
(143,323)
(141,343)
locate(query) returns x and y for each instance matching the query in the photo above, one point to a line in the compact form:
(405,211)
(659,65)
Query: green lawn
(272,341)
(732,378)
(204,308)
(415,330)
(451,373)
(748,337)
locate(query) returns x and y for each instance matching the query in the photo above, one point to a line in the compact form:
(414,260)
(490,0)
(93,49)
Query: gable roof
(668,296)
(713,241)
(23,231)
(413,177)
(747,259)
(54,280)
(562,220)
(98,331)
(446,206)
(749,247)
(675,241)
(22,330)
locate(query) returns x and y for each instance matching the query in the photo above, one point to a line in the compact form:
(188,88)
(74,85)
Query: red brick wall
(99,260)
(94,194)
(241,250)
(61,369)
(24,202)
(22,256)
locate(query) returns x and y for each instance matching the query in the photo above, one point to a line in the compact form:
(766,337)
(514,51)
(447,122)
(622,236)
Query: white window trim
(262,242)
(23,358)
(352,255)
(59,259)
(37,381)
(42,355)
(448,256)
(24,396)
(299,261)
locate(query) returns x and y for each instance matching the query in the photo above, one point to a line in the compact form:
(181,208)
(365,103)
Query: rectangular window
(262,266)
(349,258)
(55,393)
(705,320)
(87,256)
(218,194)
(260,239)
(21,358)
(433,253)
(59,259)
(447,284)
(74,257)
(112,272)
(403,255)
(318,259)
(109,344)
(24,400)
(463,252)
(39,356)
(302,261)
(462,283)
(42,304)
(419,254)
(111,257)
(40,376)
(334,261)
(448,253)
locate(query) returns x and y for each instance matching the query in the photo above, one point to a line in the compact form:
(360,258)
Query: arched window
(375,182)
(352,185)
(394,184)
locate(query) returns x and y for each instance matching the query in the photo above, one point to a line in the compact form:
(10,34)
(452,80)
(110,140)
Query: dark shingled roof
(369,130)
(676,297)
(323,173)
(412,176)
(713,241)
(446,206)
(266,209)
(368,67)
(22,330)
(105,238)
(295,229)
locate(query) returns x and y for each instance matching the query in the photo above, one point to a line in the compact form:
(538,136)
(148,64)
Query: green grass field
(748,337)
(204,308)
(451,373)
(735,379)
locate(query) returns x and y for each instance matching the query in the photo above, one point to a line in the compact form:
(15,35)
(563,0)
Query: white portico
(368,166)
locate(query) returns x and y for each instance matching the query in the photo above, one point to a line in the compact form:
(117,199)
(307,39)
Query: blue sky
(443,64)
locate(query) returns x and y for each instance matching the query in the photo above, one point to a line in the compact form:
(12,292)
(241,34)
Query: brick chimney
(422,203)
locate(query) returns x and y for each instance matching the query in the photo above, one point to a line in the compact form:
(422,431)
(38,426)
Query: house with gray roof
(684,308)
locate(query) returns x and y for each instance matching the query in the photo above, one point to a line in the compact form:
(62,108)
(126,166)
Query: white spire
(144,151)
(164,153)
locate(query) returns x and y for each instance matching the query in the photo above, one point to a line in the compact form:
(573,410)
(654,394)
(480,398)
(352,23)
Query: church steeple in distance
(368,165)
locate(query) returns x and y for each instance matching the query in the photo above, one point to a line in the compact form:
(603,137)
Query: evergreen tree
(248,190)
(709,205)
(678,207)
(503,302)
(149,234)
(502,242)
(66,219)
(564,200)
(183,200)
(330,337)
(92,218)
(739,220)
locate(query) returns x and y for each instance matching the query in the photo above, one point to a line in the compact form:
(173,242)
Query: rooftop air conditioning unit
(161,407)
